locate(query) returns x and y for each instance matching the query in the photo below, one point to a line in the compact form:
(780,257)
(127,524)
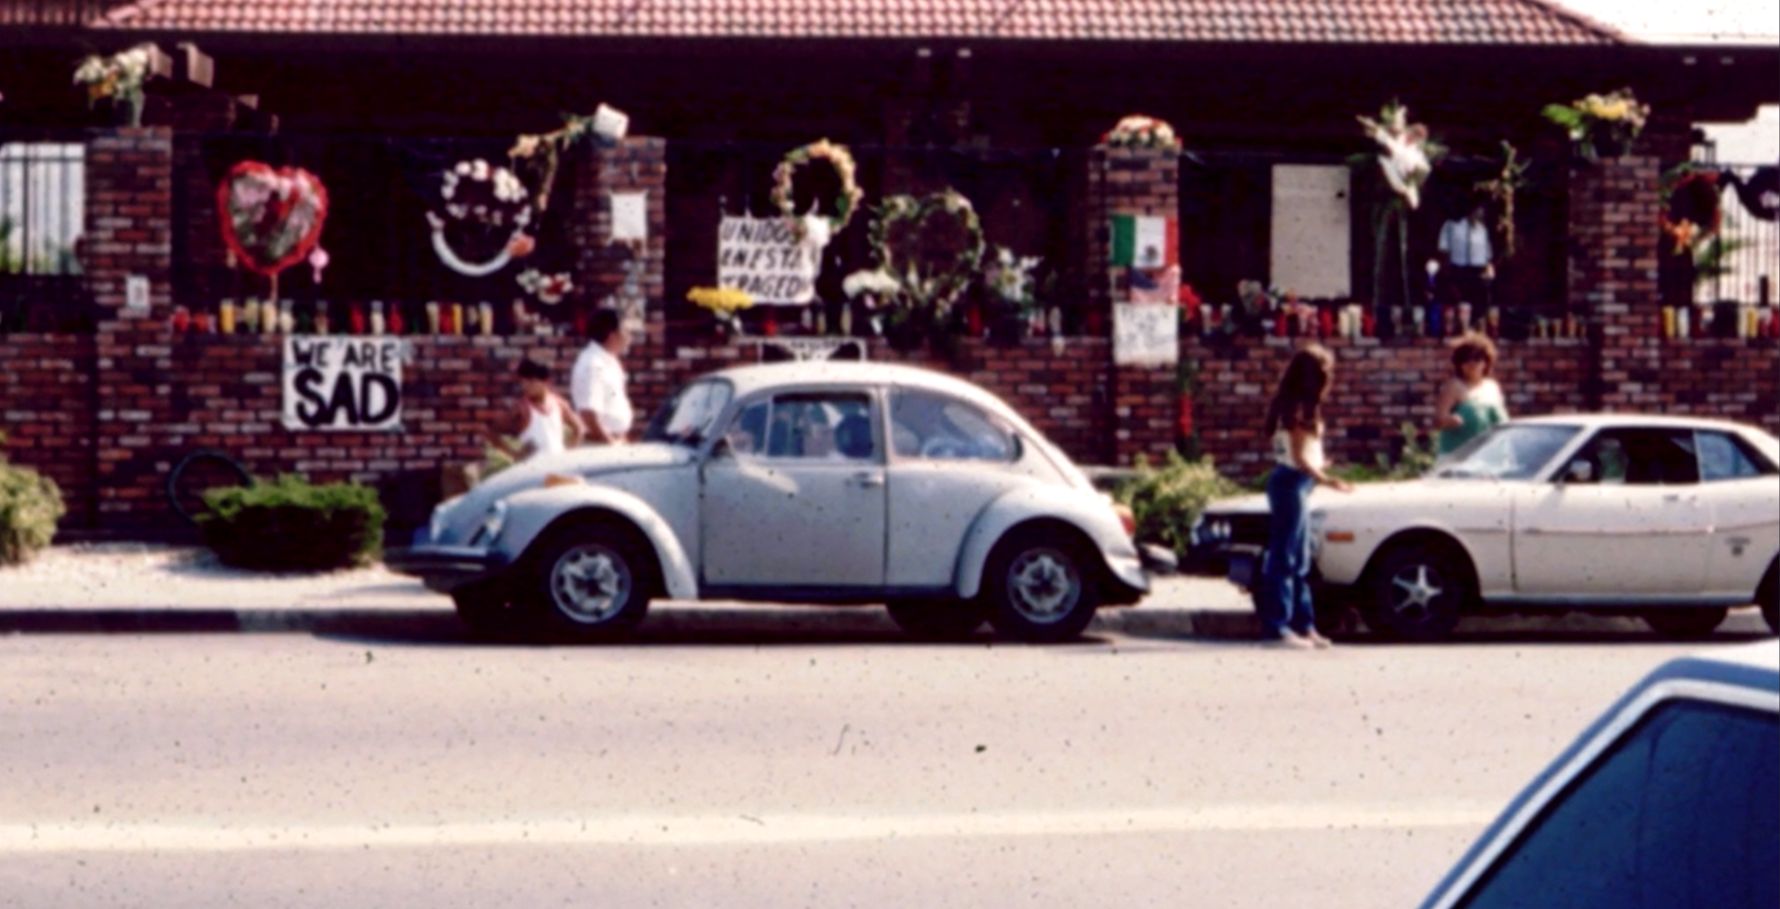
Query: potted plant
(1013,291)
(1601,126)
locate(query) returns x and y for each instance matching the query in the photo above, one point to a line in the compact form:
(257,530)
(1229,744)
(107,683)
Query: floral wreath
(839,158)
(271,218)
(485,206)
(1694,212)
(1139,131)
(929,274)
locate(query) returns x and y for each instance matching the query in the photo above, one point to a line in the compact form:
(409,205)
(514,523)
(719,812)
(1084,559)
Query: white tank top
(543,430)
(1313,452)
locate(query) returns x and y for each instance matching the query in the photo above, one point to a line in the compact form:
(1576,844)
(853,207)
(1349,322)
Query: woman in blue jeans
(1295,425)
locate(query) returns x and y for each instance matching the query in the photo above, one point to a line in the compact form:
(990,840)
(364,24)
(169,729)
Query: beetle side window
(819,427)
(1638,457)
(1678,813)
(938,428)
(1723,458)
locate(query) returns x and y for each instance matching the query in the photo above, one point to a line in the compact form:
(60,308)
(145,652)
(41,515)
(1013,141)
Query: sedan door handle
(869,479)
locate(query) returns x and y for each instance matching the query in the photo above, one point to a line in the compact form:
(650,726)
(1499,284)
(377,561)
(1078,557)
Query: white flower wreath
(482,196)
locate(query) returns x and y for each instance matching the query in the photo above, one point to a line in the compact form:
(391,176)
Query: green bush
(30,505)
(1415,459)
(1167,500)
(290,524)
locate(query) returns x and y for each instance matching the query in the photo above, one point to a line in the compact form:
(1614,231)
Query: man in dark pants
(1466,268)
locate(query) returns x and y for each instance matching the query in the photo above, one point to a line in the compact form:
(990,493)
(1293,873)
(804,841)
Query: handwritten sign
(764,257)
(1146,334)
(342,384)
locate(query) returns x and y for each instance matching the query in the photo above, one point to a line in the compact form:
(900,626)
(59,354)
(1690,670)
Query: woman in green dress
(1470,402)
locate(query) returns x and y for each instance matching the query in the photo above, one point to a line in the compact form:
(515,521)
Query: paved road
(376,759)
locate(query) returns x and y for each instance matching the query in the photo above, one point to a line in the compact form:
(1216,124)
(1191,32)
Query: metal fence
(1745,264)
(42,216)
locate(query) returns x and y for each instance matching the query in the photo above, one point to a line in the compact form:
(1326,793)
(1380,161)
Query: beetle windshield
(1509,452)
(689,416)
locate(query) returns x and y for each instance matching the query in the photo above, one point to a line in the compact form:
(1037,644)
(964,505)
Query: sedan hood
(588,462)
(1420,494)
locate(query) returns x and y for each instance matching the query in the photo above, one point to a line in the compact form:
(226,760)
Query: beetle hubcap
(590,584)
(1044,585)
(1415,590)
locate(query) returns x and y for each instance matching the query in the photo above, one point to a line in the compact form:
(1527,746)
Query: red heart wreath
(271,218)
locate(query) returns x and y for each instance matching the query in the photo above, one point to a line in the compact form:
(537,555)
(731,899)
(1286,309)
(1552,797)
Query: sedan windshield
(689,416)
(1510,452)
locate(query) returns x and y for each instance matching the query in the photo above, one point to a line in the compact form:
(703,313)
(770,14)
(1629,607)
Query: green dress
(1481,408)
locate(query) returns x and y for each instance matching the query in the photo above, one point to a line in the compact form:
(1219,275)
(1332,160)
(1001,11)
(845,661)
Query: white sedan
(1676,520)
(799,482)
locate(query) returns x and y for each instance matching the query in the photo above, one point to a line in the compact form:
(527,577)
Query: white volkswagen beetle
(799,482)
(1673,519)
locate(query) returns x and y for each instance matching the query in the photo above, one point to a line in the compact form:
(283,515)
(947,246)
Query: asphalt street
(380,759)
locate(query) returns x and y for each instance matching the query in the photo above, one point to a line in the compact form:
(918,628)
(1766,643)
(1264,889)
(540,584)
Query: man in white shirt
(1465,258)
(597,382)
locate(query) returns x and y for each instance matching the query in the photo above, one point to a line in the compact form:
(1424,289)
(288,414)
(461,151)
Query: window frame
(1498,842)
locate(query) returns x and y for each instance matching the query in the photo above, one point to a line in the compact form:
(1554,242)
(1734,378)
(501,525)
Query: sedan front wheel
(1417,592)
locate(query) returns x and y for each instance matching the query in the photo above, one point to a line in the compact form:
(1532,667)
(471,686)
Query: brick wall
(46,411)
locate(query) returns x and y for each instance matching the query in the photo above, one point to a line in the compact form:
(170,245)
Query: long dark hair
(1298,401)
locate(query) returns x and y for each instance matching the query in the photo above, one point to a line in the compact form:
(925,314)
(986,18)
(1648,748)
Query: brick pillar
(1613,212)
(638,164)
(1124,181)
(129,186)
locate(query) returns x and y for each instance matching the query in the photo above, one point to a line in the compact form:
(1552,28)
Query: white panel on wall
(1311,230)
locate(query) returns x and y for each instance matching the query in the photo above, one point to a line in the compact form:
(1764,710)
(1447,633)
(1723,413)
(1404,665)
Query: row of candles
(1707,321)
(1356,320)
(267,316)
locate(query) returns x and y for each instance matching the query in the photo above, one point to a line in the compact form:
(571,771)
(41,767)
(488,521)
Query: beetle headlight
(441,520)
(491,525)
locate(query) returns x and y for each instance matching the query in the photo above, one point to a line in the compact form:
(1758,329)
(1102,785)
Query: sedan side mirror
(1579,471)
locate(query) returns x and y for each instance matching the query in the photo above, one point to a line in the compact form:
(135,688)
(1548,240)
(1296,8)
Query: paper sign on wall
(630,216)
(764,257)
(1146,334)
(342,383)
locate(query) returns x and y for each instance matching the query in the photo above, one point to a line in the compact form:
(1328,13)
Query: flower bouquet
(1012,282)
(1139,131)
(725,304)
(546,289)
(119,78)
(1602,125)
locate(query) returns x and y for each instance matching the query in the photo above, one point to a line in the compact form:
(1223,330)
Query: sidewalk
(134,586)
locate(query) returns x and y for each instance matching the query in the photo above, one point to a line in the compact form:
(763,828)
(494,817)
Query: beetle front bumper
(444,568)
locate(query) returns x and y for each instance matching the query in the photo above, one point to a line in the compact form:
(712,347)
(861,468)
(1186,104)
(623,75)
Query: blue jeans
(1285,573)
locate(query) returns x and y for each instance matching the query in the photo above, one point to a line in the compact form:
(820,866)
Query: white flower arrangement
(1011,277)
(120,76)
(548,289)
(874,281)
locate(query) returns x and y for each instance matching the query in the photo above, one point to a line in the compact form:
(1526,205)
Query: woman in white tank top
(542,424)
(1295,427)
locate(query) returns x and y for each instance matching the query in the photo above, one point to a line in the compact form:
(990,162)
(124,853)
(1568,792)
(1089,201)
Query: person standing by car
(597,382)
(1470,402)
(542,423)
(1295,425)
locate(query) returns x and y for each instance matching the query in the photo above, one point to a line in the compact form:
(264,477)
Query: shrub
(1413,460)
(30,505)
(1167,500)
(292,525)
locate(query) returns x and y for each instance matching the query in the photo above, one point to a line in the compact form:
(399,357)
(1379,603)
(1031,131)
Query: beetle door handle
(868,479)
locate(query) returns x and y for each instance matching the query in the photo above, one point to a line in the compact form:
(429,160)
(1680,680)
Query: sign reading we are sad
(342,384)
(766,258)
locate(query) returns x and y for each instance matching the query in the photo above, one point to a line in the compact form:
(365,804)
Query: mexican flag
(1145,241)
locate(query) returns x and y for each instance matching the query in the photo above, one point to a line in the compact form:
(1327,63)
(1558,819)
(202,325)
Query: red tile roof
(1516,22)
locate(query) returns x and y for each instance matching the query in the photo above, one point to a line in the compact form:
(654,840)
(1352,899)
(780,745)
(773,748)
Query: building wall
(109,415)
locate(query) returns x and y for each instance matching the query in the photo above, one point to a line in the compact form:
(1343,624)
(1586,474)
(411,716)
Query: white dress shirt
(1466,243)
(597,385)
